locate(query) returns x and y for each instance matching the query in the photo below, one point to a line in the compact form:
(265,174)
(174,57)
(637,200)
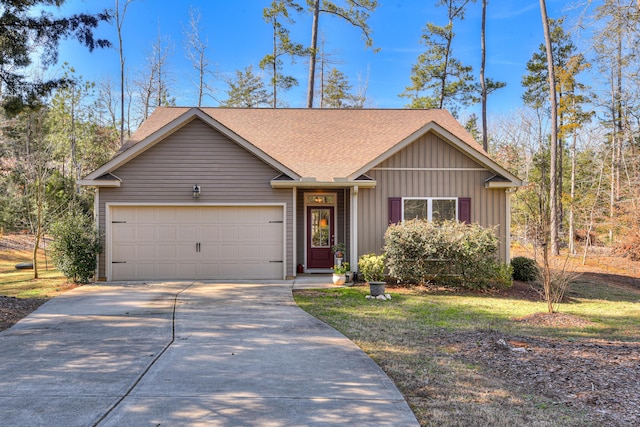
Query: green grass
(21,284)
(405,336)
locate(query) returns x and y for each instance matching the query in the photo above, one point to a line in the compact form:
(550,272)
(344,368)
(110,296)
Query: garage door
(205,243)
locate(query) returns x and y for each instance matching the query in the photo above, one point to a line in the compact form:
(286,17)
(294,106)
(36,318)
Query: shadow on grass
(425,313)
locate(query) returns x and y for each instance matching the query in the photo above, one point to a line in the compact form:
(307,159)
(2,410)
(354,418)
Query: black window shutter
(395,210)
(464,209)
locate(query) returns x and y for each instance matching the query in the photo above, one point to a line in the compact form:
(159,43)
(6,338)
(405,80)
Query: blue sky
(238,37)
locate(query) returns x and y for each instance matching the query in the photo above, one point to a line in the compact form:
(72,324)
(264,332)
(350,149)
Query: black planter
(376,288)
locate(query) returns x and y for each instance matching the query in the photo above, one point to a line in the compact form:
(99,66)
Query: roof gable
(321,145)
(162,123)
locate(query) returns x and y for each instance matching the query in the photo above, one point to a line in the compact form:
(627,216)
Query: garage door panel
(144,232)
(124,232)
(208,271)
(228,215)
(168,251)
(229,252)
(248,233)
(188,215)
(187,233)
(122,271)
(166,232)
(146,252)
(164,215)
(185,252)
(187,269)
(210,232)
(271,252)
(215,243)
(123,252)
(228,232)
(271,233)
(166,271)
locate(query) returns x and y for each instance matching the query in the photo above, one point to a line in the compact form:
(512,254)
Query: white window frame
(430,205)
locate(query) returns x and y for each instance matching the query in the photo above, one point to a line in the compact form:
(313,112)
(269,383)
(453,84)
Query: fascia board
(323,184)
(98,183)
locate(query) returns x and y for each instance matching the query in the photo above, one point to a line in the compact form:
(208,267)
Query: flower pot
(376,288)
(339,279)
(349,275)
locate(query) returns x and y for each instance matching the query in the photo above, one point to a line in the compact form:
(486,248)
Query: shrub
(372,267)
(449,252)
(524,269)
(75,246)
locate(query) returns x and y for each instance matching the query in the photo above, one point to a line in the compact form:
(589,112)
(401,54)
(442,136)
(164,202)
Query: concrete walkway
(188,354)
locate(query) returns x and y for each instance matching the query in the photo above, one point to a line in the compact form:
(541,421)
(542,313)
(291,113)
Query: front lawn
(21,284)
(473,359)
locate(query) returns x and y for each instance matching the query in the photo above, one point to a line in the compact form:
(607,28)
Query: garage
(195,242)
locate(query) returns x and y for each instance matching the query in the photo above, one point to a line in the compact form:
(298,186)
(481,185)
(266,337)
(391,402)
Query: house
(216,193)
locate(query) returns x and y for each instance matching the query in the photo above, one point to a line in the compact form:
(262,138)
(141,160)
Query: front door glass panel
(320,227)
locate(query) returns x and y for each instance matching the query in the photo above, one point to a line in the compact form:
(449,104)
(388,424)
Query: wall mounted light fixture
(196,191)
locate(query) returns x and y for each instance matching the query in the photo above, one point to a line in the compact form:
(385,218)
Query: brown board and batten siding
(429,167)
(197,154)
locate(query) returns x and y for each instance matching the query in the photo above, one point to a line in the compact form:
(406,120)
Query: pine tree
(246,91)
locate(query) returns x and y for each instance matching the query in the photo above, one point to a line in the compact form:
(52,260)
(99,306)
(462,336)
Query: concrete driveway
(188,354)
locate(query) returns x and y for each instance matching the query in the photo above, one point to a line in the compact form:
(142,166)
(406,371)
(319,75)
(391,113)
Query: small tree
(75,246)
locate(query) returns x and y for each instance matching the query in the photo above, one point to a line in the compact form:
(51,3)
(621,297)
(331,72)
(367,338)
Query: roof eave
(98,183)
(323,184)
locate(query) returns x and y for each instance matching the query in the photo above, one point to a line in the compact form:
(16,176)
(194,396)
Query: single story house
(221,193)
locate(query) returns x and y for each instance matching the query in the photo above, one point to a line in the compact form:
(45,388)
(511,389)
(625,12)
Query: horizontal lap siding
(429,152)
(197,154)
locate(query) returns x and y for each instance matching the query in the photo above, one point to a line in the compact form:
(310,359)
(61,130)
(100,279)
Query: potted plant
(339,273)
(372,268)
(338,250)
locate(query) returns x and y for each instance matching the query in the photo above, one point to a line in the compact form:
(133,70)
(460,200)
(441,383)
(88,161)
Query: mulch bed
(13,309)
(596,376)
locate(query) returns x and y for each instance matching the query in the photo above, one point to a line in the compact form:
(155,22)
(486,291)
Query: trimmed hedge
(448,252)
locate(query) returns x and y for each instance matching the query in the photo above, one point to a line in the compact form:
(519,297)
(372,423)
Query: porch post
(354,228)
(295,228)
(507,234)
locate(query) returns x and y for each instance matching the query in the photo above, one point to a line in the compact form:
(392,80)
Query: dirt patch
(595,376)
(556,320)
(13,309)
(21,242)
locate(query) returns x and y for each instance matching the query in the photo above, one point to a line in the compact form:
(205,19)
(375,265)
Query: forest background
(67,108)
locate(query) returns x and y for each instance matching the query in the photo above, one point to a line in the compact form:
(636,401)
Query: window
(430,209)
(320,199)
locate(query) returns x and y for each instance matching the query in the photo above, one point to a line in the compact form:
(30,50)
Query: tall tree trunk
(483,83)
(312,54)
(275,64)
(572,233)
(553,181)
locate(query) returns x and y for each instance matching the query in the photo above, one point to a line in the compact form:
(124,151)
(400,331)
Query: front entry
(320,236)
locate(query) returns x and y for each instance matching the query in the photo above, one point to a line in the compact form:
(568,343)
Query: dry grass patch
(443,351)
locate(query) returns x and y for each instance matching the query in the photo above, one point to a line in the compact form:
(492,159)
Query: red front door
(319,237)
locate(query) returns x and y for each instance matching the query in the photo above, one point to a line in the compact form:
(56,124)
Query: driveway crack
(153,362)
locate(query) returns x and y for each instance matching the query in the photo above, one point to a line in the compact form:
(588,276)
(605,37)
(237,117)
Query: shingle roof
(320,143)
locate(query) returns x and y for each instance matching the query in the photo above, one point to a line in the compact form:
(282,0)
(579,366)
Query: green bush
(524,269)
(449,252)
(372,267)
(75,246)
